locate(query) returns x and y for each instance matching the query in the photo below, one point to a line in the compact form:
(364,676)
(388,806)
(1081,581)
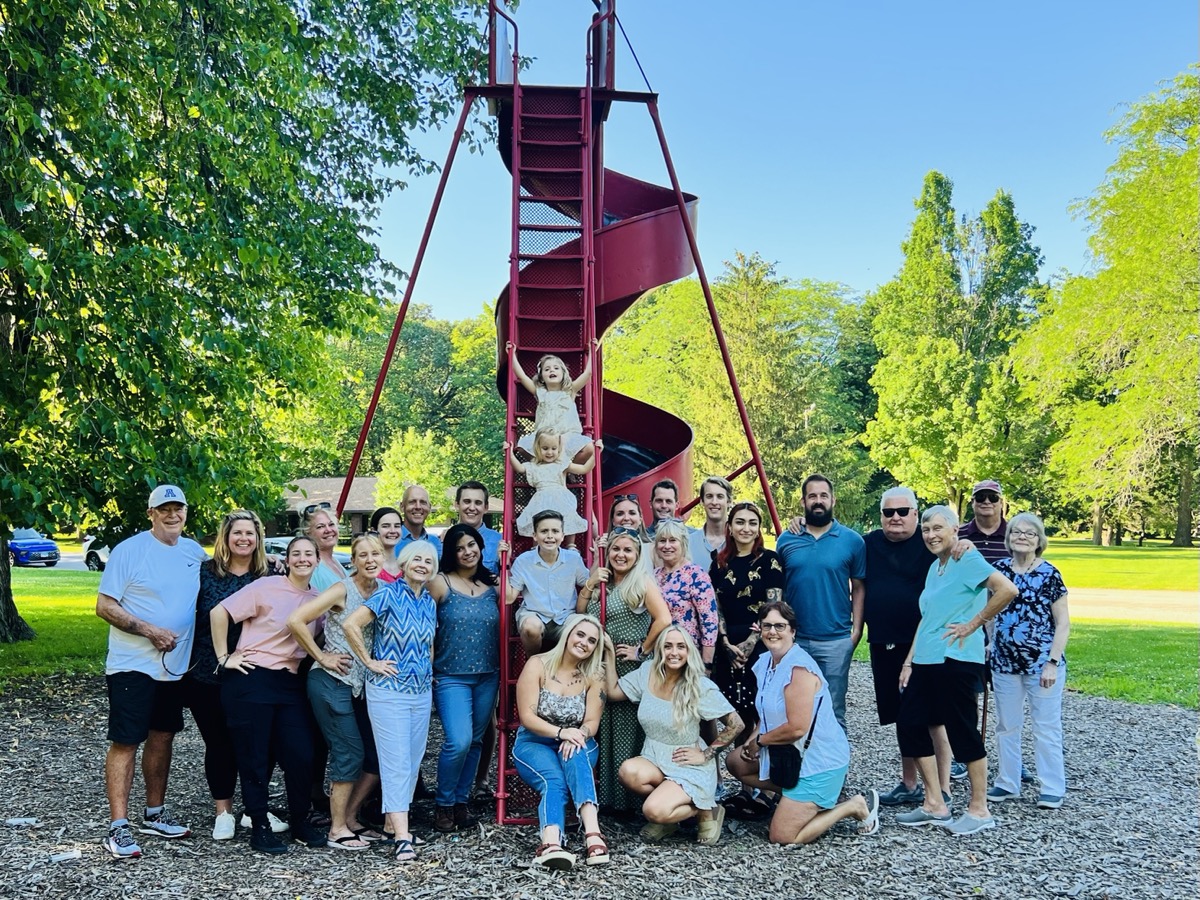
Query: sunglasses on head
(313,507)
(987,497)
(900,511)
(621,530)
(619,497)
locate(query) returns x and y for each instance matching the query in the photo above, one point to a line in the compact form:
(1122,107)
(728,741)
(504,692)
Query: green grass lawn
(1143,663)
(1157,566)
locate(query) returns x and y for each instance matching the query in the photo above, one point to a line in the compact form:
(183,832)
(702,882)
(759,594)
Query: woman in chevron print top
(400,683)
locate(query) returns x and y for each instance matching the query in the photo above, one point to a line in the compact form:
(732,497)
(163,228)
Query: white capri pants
(1045,714)
(401,725)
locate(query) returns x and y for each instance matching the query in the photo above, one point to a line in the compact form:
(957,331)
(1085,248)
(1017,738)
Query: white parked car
(95,556)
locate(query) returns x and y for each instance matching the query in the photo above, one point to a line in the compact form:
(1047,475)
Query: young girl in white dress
(556,393)
(547,475)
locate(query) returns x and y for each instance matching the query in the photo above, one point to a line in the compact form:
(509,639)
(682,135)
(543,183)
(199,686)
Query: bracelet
(558,736)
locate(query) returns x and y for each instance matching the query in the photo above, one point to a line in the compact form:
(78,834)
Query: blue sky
(806,128)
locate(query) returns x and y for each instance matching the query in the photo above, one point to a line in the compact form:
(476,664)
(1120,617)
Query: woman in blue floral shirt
(1028,662)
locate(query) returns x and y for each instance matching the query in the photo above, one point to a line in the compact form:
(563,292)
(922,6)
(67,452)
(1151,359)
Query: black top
(990,546)
(896,573)
(213,589)
(742,588)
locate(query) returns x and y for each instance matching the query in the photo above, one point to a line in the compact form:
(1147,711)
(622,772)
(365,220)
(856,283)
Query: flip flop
(870,824)
(345,842)
(368,834)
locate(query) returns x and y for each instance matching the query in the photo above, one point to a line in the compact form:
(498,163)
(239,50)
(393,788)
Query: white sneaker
(278,826)
(224,827)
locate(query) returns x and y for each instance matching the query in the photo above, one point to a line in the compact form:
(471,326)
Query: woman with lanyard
(238,559)
(798,748)
(634,616)
(676,771)
(335,690)
(745,576)
(400,685)
(466,668)
(263,694)
(388,523)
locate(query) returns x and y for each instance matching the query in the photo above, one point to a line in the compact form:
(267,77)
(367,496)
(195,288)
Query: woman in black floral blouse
(745,575)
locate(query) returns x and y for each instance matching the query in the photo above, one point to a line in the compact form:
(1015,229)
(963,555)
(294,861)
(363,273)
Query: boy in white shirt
(549,577)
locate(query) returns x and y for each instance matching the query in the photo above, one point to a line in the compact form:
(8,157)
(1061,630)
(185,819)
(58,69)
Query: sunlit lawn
(1157,566)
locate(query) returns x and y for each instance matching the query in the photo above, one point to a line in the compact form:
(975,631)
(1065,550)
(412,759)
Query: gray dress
(657,718)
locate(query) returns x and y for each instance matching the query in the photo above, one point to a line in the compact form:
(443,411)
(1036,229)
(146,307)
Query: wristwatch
(1054,662)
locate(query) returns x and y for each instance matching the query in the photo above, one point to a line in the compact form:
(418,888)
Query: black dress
(742,587)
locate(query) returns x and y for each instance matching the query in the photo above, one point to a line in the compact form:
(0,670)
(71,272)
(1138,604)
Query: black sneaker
(305,834)
(264,840)
(120,842)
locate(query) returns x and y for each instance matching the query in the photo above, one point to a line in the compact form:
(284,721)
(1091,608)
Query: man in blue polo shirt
(415,508)
(825,570)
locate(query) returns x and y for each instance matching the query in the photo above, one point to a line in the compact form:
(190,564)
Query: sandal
(596,854)
(368,834)
(870,824)
(318,819)
(347,842)
(553,856)
(405,852)
(747,808)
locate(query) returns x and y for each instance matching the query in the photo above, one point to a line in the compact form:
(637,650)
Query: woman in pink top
(264,697)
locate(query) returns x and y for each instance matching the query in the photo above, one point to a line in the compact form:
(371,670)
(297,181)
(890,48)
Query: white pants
(1045,712)
(401,725)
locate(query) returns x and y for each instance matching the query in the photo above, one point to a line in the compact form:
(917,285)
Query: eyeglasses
(1023,534)
(772,626)
(987,497)
(313,507)
(900,511)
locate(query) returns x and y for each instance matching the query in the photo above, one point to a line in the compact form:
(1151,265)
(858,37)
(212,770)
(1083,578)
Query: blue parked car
(28,548)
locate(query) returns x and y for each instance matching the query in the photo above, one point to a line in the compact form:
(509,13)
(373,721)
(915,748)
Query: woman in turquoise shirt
(944,671)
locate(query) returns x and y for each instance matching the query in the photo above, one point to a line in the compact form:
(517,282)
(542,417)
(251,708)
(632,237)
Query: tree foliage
(1114,357)
(943,327)
(786,340)
(184,192)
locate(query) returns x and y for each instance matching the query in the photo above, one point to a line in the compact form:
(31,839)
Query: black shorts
(942,694)
(886,662)
(137,705)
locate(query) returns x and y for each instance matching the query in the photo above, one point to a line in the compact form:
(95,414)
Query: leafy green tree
(1114,356)
(417,457)
(785,338)
(185,194)
(943,327)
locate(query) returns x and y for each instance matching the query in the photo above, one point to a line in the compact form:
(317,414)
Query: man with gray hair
(897,564)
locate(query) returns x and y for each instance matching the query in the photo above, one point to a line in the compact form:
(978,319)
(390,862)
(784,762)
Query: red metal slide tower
(587,242)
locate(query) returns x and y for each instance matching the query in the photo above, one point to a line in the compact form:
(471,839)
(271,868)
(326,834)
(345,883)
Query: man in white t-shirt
(148,597)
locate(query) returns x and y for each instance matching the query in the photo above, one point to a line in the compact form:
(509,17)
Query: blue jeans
(465,704)
(540,766)
(834,659)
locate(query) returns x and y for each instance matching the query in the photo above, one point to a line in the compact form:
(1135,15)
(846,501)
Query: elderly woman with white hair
(687,588)
(1029,663)
(400,684)
(944,670)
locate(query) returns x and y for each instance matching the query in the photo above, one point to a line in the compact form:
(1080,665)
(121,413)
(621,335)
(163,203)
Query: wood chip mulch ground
(1129,828)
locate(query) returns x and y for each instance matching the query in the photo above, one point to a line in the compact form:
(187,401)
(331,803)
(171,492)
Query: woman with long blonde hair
(676,771)
(634,615)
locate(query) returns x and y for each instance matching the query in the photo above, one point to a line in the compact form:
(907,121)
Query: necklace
(942,568)
(576,678)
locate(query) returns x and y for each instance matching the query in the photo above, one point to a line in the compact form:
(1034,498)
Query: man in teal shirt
(825,569)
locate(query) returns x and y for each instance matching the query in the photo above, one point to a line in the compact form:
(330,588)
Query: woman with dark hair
(466,668)
(263,694)
(388,523)
(625,511)
(335,690)
(745,575)
(798,749)
(238,559)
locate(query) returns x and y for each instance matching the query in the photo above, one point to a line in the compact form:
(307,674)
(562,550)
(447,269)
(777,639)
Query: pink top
(263,607)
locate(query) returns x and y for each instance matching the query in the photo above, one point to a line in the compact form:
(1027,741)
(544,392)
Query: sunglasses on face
(900,511)
(313,507)
(987,497)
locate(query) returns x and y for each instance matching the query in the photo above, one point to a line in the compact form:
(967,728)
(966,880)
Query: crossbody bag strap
(813,727)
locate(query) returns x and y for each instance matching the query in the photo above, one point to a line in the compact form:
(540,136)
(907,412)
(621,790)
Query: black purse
(785,759)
